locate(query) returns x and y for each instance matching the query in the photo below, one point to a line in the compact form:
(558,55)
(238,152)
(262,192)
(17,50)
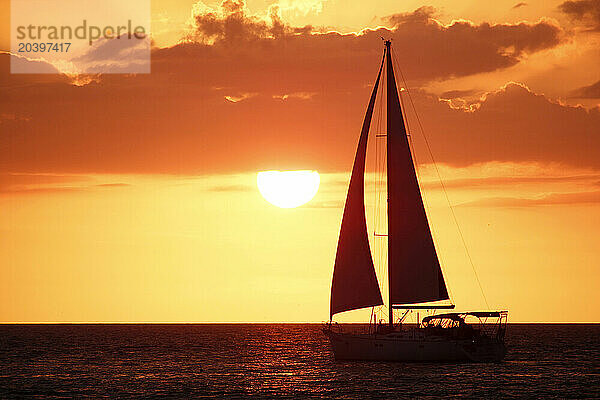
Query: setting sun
(288,189)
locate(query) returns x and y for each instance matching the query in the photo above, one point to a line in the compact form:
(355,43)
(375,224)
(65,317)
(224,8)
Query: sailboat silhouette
(414,273)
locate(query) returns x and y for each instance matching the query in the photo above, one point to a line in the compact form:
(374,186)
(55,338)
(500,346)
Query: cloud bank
(248,93)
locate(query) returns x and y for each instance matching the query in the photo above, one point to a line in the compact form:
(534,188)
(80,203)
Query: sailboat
(415,278)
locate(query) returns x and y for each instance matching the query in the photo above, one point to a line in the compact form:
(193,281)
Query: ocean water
(278,360)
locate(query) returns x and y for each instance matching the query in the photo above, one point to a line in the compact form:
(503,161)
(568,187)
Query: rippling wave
(278,360)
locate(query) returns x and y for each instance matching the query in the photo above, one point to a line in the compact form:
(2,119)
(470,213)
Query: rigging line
(441,182)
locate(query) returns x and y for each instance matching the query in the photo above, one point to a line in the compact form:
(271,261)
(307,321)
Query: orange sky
(133,197)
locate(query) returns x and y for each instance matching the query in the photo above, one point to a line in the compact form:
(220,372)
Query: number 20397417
(35,47)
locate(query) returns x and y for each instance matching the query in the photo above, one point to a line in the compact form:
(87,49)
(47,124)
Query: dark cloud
(425,48)
(111,49)
(587,92)
(586,12)
(116,55)
(23,65)
(8,79)
(178,119)
(463,47)
(453,94)
(511,124)
(519,5)
(233,25)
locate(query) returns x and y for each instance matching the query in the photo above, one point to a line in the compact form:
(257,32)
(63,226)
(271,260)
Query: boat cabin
(468,324)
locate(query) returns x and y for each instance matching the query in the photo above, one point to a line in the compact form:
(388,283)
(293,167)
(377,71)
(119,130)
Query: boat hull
(397,347)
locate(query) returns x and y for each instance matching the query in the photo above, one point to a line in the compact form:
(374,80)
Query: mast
(389,73)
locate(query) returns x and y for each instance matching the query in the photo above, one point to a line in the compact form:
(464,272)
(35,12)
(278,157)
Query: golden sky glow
(211,249)
(134,198)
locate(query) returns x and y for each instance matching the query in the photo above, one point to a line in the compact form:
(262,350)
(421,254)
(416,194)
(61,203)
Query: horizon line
(246,323)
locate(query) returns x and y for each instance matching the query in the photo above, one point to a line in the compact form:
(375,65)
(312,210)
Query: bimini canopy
(461,316)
